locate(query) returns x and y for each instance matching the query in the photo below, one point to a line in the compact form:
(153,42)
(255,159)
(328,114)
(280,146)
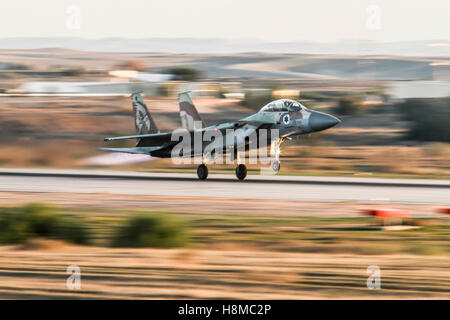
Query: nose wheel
(276,166)
(202,172)
(241,171)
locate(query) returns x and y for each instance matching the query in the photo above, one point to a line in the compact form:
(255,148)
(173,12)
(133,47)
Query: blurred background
(382,67)
(65,76)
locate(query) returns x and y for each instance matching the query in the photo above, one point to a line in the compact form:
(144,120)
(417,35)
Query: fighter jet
(274,123)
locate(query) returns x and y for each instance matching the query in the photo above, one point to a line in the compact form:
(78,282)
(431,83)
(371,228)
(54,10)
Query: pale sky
(274,20)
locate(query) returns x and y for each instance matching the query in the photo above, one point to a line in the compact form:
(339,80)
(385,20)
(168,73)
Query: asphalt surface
(226,186)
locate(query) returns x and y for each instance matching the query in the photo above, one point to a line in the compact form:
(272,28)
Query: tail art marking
(143,120)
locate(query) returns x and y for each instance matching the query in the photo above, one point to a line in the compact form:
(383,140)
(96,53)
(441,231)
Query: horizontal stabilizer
(137,150)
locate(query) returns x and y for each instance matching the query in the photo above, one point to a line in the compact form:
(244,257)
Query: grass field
(306,234)
(237,255)
(221,272)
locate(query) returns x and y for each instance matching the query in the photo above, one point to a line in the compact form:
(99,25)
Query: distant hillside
(201,45)
(231,65)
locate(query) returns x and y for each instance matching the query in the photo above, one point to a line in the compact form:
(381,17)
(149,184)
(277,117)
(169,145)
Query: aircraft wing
(139,136)
(137,150)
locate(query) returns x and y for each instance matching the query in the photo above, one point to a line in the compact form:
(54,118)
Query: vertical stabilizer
(142,118)
(190,119)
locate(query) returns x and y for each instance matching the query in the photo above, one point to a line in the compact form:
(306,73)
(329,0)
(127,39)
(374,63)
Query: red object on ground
(387,213)
(444,210)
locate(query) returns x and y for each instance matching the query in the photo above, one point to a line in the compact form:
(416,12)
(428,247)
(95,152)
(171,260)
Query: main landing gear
(202,172)
(241,171)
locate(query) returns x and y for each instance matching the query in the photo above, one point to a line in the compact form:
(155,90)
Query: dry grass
(42,244)
(419,161)
(236,274)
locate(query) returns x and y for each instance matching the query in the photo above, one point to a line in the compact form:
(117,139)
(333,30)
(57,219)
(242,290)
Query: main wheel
(241,171)
(202,172)
(276,166)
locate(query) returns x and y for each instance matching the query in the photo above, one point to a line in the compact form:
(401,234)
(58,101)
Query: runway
(301,188)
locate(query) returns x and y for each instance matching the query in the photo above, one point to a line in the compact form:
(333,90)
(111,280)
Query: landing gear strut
(241,171)
(202,172)
(275,149)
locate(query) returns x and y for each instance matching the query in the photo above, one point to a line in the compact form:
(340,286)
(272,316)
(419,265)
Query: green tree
(429,118)
(158,231)
(184,73)
(349,105)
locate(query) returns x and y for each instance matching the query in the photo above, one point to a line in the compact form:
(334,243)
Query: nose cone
(320,121)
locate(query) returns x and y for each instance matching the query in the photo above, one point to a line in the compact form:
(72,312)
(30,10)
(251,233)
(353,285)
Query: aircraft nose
(320,121)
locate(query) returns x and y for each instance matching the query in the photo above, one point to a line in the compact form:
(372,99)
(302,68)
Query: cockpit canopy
(282,105)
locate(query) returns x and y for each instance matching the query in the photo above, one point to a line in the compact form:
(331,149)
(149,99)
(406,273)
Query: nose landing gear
(275,149)
(276,166)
